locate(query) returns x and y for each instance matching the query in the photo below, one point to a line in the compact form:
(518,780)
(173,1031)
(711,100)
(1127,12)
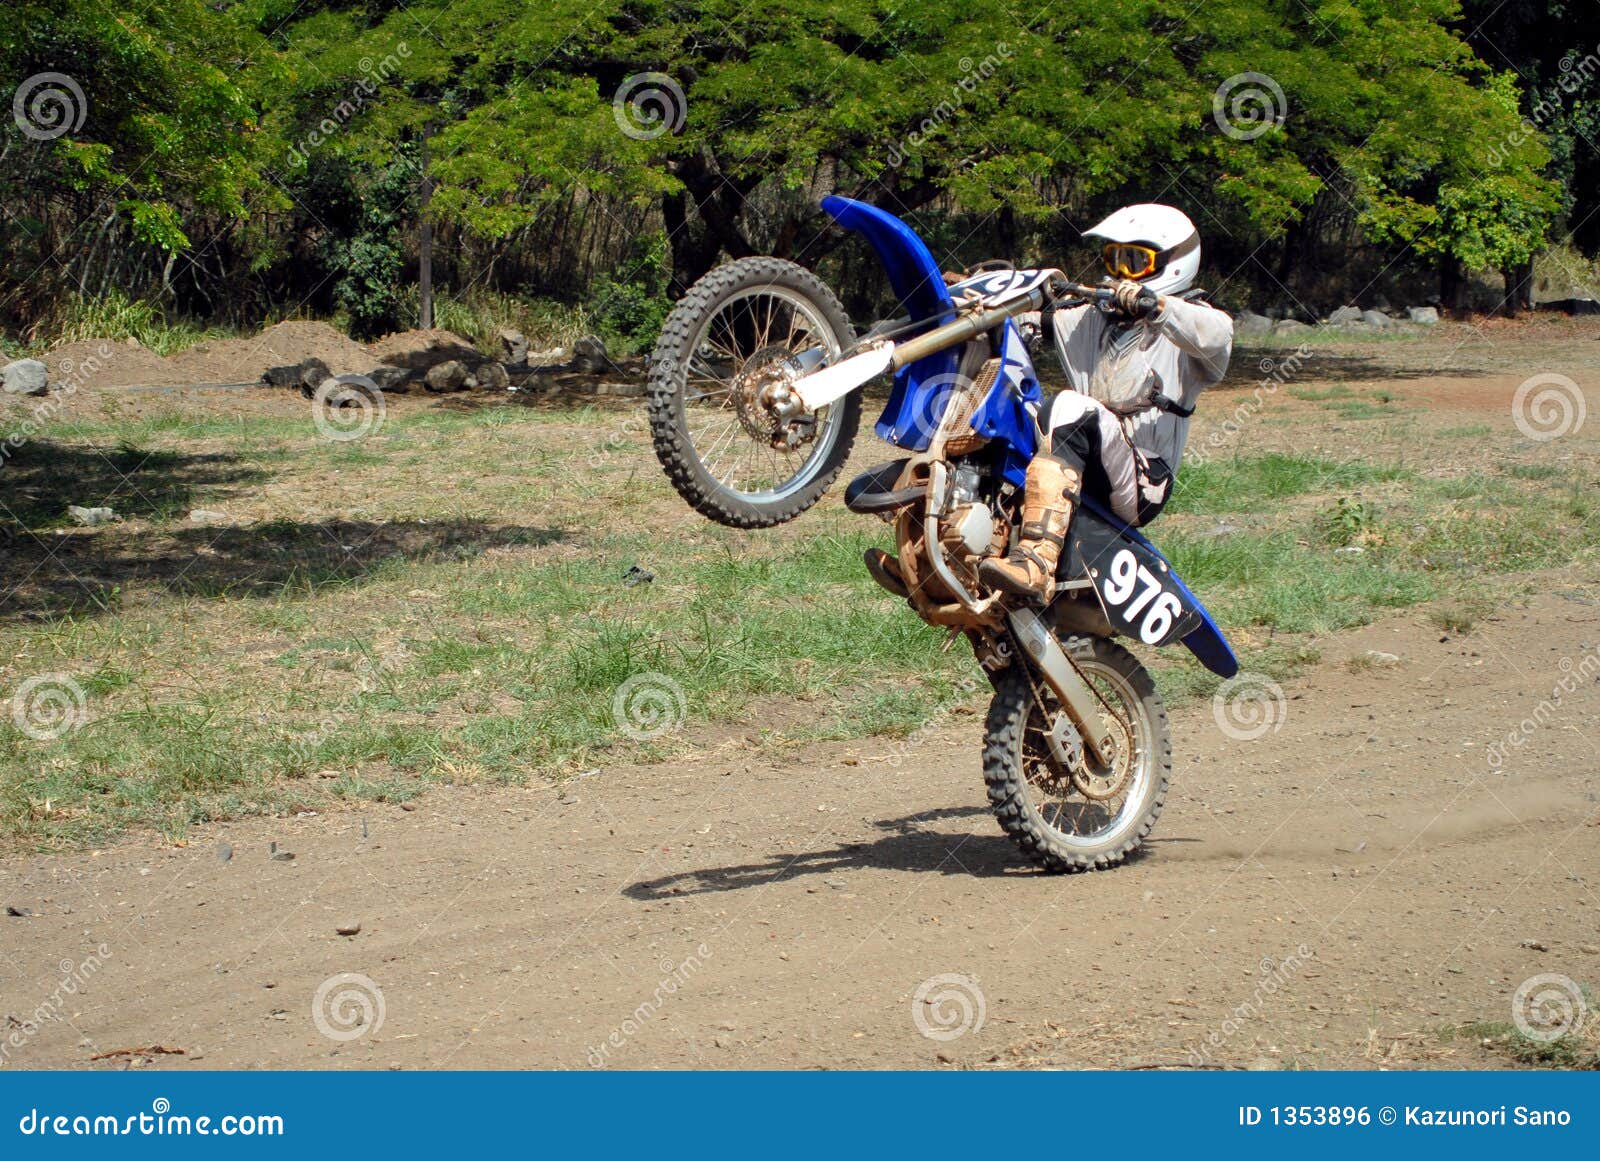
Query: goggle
(1129,261)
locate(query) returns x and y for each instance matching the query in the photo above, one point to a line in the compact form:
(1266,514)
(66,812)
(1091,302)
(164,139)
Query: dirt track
(1330,894)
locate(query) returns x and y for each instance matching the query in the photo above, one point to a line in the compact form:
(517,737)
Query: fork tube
(957,332)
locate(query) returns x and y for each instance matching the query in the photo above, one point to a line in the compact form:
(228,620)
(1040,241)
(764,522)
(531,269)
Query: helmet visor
(1128,260)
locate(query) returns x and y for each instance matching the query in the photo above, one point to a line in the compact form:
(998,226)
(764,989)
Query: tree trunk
(694,250)
(1452,284)
(1519,288)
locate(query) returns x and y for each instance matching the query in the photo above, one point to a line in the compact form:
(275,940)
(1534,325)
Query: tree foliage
(269,136)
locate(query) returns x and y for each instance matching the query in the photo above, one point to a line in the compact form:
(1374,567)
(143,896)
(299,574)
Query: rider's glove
(1134,300)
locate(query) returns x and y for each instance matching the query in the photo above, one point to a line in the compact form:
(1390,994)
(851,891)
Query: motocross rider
(1134,373)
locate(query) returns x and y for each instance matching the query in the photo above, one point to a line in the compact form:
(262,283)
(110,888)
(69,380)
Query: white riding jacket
(1109,358)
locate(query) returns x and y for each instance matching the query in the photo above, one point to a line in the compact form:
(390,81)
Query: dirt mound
(101,363)
(244,360)
(96,363)
(405,347)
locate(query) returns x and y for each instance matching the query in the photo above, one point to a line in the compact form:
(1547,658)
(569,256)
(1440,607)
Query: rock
(1289,326)
(548,356)
(224,852)
(493,377)
(312,372)
(1249,323)
(623,390)
(514,346)
(1376,318)
(1345,314)
(25,377)
(390,380)
(91,517)
(447,376)
(1426,315)
(208,516)
(1571,305)
(281,376)
(1379,657)
(350,927)
(589,354)
(531,385)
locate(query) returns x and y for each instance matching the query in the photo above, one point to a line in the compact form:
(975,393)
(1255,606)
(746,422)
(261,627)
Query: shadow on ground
(905,846)
(48,567)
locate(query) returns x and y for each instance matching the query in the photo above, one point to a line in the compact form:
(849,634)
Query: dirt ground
(1407,844)
(1354,881)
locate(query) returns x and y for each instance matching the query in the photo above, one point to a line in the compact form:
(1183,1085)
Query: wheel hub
(758,394)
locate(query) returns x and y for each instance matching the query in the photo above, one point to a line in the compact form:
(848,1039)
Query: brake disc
(1097,780)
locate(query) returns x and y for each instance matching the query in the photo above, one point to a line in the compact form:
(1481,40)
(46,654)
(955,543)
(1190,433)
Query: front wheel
(723,450)
(1063,807)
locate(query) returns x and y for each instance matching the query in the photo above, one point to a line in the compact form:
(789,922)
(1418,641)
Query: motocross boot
(1048,495)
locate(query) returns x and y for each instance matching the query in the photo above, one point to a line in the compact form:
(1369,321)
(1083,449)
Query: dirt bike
(754,401)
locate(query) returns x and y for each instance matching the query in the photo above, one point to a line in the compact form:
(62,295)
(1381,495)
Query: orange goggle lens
(1129,261)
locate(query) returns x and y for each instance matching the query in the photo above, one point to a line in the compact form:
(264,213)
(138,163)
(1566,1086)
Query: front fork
(1051,662)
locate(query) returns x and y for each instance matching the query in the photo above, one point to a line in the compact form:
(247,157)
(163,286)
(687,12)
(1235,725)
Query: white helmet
(1159,242)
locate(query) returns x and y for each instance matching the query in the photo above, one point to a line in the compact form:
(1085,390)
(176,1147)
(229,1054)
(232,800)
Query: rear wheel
(724,452)
(1066,810)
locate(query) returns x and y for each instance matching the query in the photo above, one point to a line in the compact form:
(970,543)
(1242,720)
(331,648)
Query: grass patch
(1248,484)
(447,603)
(117,317)
(1507,1040)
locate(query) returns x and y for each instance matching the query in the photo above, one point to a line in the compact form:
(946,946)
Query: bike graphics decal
(999,286)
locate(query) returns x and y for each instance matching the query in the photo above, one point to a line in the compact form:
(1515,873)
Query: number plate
(1135,585)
